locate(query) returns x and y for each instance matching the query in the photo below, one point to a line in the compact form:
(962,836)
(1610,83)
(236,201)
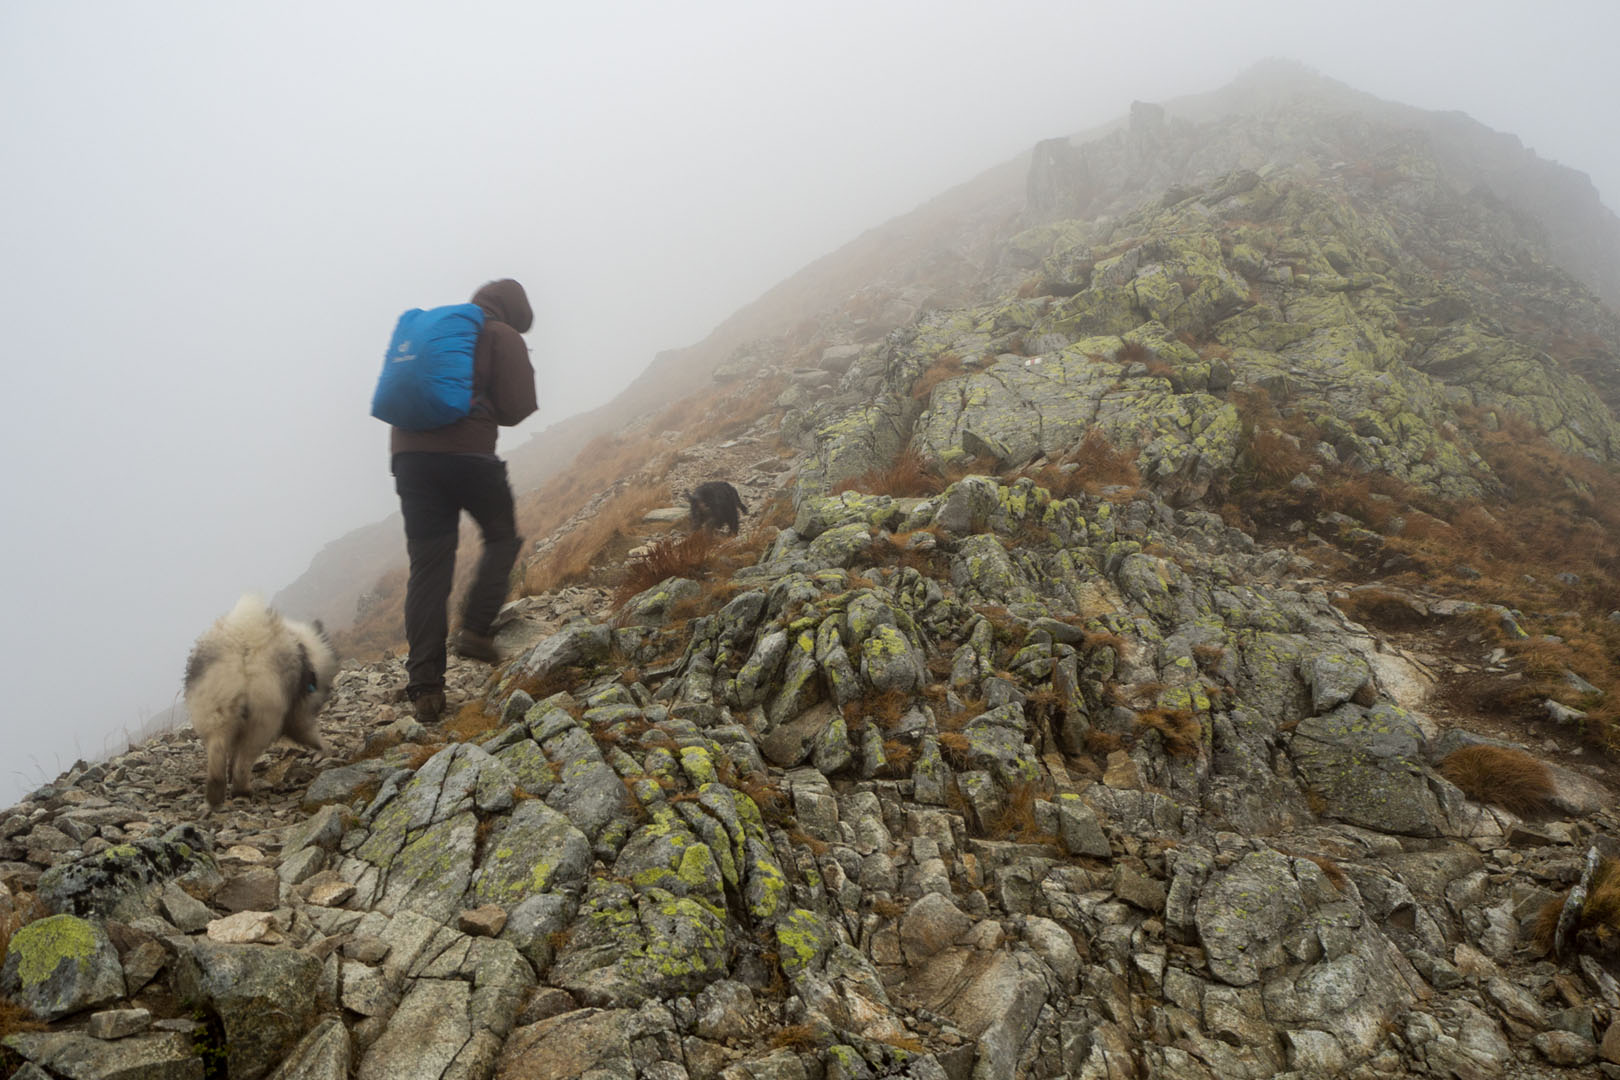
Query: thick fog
(210,215)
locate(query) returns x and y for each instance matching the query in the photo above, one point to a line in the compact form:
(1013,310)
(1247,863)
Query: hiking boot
(475,646)
(428,706)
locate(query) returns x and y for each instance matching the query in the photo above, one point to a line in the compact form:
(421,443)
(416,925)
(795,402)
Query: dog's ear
(320,629)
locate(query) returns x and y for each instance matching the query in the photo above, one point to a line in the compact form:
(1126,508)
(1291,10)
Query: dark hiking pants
(433,491)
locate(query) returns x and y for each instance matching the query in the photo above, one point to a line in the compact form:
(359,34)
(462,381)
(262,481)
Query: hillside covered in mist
(1175,633)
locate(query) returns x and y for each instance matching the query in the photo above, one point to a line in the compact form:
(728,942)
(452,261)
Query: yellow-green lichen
(44,945)
(800,939)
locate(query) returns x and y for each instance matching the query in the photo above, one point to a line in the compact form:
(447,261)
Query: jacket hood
(506,301)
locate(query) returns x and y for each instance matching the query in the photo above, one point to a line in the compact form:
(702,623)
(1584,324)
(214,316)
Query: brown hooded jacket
(503,379)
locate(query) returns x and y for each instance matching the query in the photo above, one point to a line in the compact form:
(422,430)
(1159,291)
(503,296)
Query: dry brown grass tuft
(889,909)
(1330,870)
(908,477)
(896,550)
(1509,778)
(1101,743)
(945,366)
(559,680)
(899,754)
(14,1018)
(1103,639)
(1098,465)
(885,709)
(471,720)
(1016,819)
(1600,914)
(1546,926)
(711,597)
(687,556)
(956,721)
(797,1037)
(1277,457)
(25,908)
(1133,352)
(956,748)
(771,799)
(1183,735)
(1102,464)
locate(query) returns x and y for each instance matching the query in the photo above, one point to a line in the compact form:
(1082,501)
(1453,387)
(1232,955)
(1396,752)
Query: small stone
(142,964)
(245,928)
(258,889)
(1610,1047)
(331,894)
(366,948)
(723,1009)
(932,923)
(546,1002)
(1528,836)
(1078,828)
(365,990)
(486,921)
(1564,1048)
(303,865)
(185,911)
(244,853)
(117,1023)
(1122,772)
(1138,889)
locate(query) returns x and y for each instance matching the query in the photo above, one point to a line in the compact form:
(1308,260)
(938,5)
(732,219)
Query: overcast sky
(211,213)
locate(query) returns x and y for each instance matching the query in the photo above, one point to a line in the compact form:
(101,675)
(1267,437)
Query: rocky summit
(1173,636)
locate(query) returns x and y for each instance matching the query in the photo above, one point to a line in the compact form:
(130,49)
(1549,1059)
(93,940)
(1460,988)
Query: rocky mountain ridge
(1152,668)
(632,879)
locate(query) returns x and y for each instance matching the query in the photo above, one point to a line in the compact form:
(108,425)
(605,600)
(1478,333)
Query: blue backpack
(427,375)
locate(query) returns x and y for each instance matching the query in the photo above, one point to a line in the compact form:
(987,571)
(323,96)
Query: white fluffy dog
(252,677)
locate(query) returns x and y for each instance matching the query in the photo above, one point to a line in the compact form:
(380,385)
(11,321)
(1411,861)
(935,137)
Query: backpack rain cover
(427,374)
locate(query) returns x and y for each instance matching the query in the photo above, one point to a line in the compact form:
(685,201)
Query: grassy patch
(1096,464)
(945,366)
(1181,731)
(669,557)
(907,477)
(1501,775)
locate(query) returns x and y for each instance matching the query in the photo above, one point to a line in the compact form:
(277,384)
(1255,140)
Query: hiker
(442,470)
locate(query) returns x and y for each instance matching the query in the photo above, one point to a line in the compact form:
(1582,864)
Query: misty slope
(925,257)
(1180,646)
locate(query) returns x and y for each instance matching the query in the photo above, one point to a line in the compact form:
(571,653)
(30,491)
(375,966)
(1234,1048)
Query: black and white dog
(253,677)
(715,505)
